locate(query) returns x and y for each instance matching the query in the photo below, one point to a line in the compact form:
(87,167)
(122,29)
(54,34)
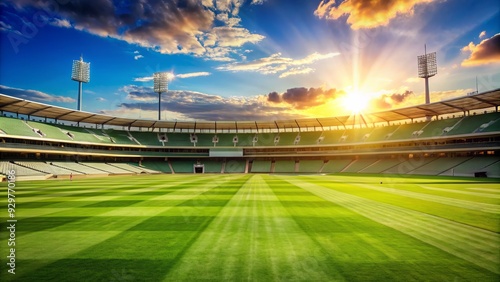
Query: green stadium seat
(205,140)
(439,166)
(120,137)
(161,166)
(333,166)
(380,165)
(234,166)
(49,130)
(14,126)
(309,137)
(359,164)
(437,128)
(261,166)
(284,166)
(310,166)
(288,139)
(407,131)
(212,166)
(474,123)
(332,137)
(183,165)
(409,165)
(148,138)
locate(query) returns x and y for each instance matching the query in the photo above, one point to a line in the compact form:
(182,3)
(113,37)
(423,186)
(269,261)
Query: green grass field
(254,227)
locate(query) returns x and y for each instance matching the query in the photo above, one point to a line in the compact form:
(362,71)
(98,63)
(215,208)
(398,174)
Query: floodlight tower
(427,67)
(160,86)
(80,73)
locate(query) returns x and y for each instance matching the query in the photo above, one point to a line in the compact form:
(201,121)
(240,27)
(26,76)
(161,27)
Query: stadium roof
(478,101)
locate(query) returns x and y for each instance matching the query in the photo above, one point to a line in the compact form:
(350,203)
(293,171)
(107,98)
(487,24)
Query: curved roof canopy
(478,101)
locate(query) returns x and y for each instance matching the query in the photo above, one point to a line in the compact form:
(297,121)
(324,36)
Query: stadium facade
(462,138)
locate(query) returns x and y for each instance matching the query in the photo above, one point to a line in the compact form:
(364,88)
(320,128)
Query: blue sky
(247,59)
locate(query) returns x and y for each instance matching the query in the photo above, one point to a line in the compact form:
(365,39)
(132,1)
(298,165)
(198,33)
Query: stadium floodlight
(160,86)
(427,67)
(80,73)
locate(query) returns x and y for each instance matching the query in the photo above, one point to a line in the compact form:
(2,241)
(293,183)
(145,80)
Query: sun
(355,102)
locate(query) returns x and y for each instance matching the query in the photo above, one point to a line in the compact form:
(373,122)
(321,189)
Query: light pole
(80,73)
(427,67)
(160,86)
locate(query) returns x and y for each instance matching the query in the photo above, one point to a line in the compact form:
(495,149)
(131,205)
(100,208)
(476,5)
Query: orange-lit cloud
(192,105)
(367,13)
(299,102)
(486,52)
(302,98)
(169,27)
(387,101)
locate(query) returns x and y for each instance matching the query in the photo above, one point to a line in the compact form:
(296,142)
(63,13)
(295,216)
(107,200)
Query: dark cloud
(200,106)
(175,26)
(387,101)
(486,52)
(274,97)
(34,95)
(302,98)
(140,93)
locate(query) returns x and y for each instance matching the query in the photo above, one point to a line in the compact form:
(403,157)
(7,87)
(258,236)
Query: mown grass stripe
(249,240)
(78,196)
(484,207)
(478,194)
(45,266)
(485,190)
(477,218)
(442,233)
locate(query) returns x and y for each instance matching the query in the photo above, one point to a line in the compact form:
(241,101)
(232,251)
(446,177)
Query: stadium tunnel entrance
(199,168)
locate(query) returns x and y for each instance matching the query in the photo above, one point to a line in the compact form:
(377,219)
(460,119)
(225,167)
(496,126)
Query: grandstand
(310,166)
(235,166)
(261,166)
(286,166)
(40,140)
(336,165)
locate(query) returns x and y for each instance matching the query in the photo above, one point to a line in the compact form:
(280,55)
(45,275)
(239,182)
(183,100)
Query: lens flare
(355,102)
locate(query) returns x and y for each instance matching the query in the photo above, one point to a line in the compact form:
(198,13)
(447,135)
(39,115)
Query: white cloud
(277,63)
(234,36)
(192,74)
(144,79)
(34,95)
(137,57)
(296,71)
(192,105)
(169,27)
(180,76)
(227,20)
(61,23)
(413,80)
(208,3)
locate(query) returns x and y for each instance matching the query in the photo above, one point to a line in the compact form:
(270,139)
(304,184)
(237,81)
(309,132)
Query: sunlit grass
(255,227)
